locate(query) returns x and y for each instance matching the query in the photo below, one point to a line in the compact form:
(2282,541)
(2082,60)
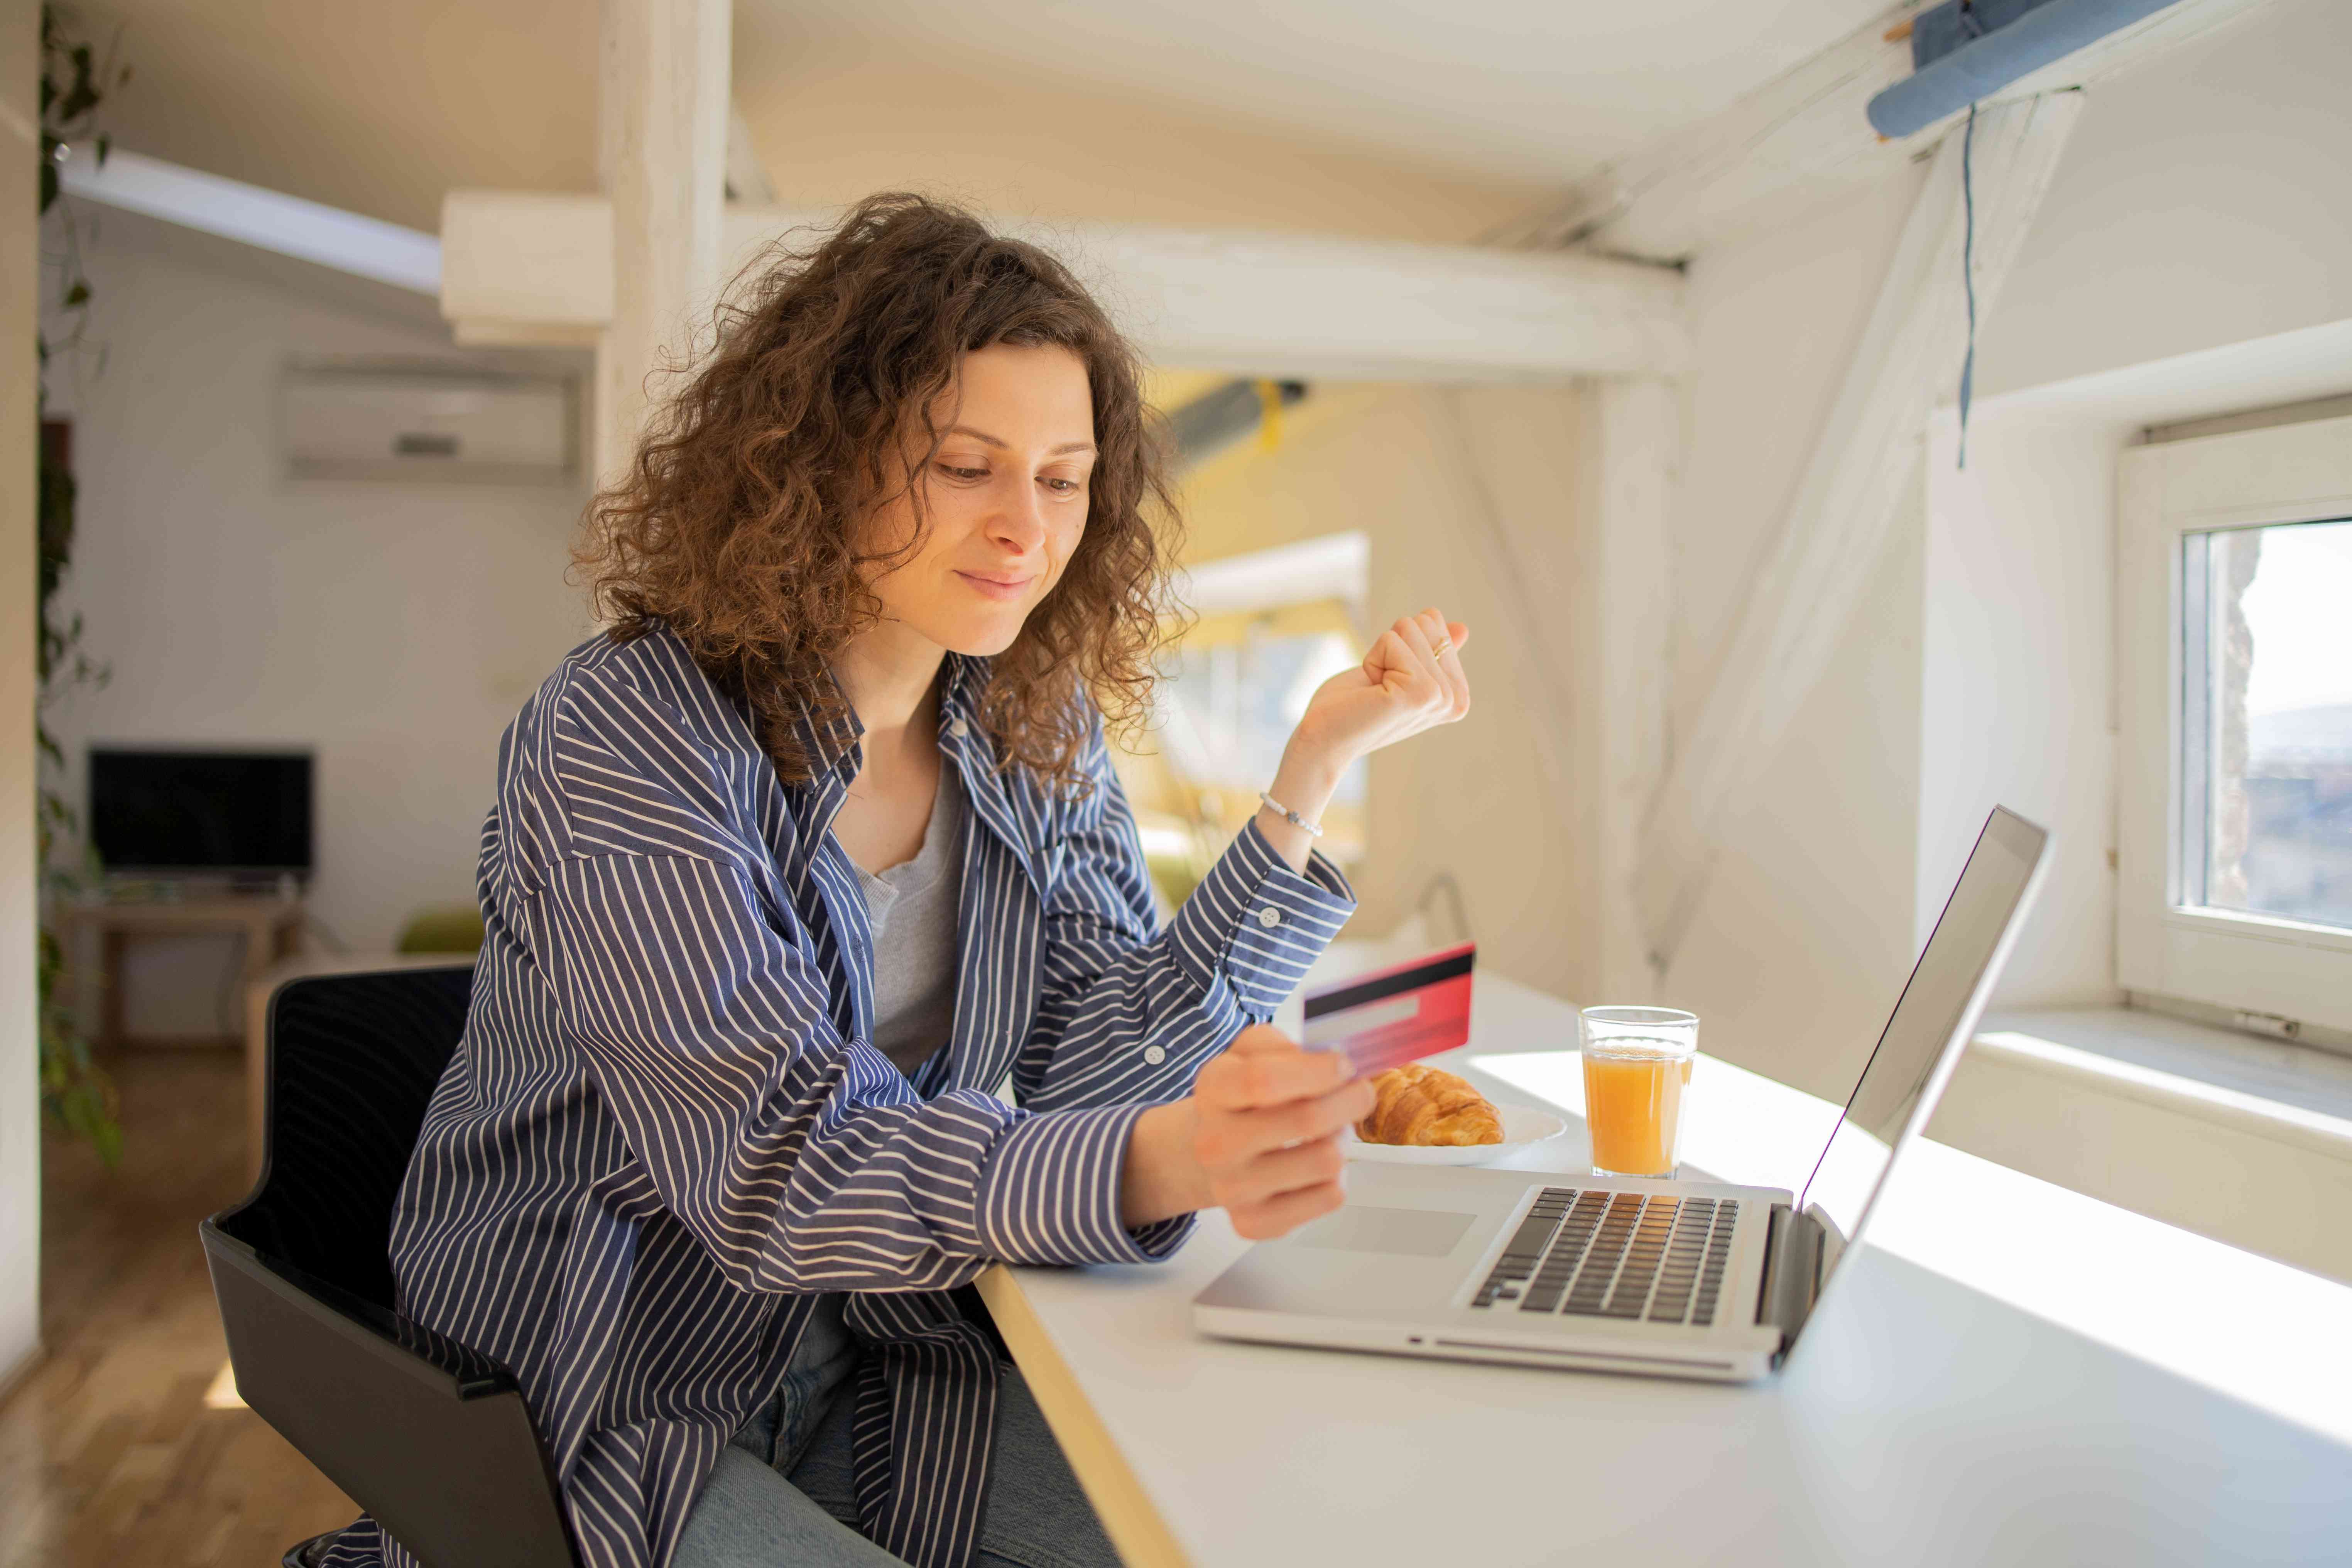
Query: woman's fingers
(1262,1039)
(1266,1127)
(1280,1170)
(1390,664)
(1235,1137)
(1446,695)
(1449,635)
(1428,687)
(1450,664)
(1263,1068)
(1281,1215)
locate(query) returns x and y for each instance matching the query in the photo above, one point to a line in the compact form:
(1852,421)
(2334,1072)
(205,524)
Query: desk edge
(1134,1524)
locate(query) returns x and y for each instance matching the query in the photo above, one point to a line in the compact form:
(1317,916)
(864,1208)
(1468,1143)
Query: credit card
(1396,1015)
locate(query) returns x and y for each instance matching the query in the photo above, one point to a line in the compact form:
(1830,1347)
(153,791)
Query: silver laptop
(1675,1279)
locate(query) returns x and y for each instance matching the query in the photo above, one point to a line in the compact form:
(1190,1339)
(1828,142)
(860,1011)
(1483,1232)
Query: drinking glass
(1637,1063)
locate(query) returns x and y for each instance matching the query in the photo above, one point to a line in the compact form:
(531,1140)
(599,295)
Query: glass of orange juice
(1637,1063)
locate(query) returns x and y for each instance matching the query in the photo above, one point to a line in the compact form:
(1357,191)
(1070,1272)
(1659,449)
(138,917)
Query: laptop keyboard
(1645,1257)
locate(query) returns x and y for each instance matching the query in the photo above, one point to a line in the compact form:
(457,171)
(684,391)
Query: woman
(815,850)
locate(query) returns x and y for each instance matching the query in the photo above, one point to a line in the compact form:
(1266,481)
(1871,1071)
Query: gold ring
(1441,647)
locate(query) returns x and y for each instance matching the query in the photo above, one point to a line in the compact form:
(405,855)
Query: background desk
(2008,1373)
(270,929)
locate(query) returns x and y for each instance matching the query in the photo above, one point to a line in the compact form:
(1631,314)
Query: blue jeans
(782,1494)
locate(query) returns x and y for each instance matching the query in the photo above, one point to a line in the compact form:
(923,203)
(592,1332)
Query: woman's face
(1003,500)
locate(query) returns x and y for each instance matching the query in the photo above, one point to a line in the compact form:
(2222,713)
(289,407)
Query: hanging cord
(1969,273)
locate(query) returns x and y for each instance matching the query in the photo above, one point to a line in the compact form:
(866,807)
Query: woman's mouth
(1003,589)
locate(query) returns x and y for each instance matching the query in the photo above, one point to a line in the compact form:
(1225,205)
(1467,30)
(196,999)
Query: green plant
(74,1090)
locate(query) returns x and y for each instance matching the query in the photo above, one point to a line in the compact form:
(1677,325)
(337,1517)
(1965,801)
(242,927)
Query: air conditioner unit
(426,422)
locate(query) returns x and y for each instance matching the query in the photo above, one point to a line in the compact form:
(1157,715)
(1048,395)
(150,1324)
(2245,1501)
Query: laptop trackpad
(1413,1233)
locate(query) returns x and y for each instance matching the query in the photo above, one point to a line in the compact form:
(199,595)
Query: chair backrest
(353,1059)
(429,1436)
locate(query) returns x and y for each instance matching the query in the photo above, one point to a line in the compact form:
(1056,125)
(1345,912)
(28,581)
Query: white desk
(2007,1373)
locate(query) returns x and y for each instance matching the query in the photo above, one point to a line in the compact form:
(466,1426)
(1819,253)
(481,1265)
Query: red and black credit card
(1396,1015)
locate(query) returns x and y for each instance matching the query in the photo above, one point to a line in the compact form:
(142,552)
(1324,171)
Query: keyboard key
(1528,1241)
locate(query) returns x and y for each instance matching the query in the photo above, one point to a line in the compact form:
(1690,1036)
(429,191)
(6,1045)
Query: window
(1232,694)
(2265,788)
(2235,658)
(1271,626)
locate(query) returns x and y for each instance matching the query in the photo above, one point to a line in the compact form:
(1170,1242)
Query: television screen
(172,811)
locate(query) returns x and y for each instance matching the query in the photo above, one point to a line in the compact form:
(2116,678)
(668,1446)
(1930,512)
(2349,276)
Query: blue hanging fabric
(1969,272)
(1963,51)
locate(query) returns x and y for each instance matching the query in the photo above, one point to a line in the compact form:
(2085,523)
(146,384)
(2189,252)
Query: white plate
(1522,1125)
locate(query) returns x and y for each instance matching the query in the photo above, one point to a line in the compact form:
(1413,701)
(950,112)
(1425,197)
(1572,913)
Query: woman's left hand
(1410,681)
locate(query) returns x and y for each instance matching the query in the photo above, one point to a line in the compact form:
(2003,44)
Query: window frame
(2165,490)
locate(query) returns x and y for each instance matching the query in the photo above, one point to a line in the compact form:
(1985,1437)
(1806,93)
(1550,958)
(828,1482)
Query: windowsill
(2297,1094)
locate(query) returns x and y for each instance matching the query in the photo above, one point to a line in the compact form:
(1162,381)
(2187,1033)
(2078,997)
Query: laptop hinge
(1793,1274)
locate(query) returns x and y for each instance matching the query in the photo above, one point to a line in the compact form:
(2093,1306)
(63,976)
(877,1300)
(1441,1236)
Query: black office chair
(428,1435)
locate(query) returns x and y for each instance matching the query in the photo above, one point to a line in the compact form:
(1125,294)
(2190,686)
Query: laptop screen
(1940,1004)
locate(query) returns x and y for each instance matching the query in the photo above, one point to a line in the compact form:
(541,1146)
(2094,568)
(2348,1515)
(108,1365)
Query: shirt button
(1269,918)
(957,728)
(1153,1056)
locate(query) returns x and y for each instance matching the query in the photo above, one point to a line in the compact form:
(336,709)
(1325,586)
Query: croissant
(1422,1105)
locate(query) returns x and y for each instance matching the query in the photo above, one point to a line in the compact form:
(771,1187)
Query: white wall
(1801,938)
(2016,682)
(2205,202)
(20,1104)
(2207,198)
(394,629)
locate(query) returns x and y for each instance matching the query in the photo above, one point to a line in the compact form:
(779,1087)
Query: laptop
(1674,1279)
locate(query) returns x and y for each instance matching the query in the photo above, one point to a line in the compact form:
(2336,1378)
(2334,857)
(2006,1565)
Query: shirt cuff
(1050,1194)
(1260,924)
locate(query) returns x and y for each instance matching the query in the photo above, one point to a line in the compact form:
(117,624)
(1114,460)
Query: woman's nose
(1020,522)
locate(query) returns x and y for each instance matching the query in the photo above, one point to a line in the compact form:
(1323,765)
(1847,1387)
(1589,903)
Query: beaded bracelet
(1314,829)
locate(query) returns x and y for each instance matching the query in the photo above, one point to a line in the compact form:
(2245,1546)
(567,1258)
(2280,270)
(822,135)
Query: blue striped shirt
(665,1133)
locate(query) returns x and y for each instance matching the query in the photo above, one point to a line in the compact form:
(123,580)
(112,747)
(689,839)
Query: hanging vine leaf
(75,1092)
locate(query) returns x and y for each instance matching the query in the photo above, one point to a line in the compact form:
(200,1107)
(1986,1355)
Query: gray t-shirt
(913,908)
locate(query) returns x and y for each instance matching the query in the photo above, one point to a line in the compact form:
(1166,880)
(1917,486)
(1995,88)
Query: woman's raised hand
(1411,679)
(1259,1138)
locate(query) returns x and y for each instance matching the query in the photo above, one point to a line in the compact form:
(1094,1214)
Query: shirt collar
(830,740)
(832,743)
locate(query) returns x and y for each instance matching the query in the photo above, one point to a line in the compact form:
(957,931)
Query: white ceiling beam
(1851,494)
(1804,134)
(268,220)
(531,267)
(525,268)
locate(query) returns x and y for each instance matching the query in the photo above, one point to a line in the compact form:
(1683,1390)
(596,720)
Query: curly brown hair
(737,525)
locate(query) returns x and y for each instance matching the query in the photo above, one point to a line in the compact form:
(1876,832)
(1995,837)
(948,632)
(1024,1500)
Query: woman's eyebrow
(1001,446)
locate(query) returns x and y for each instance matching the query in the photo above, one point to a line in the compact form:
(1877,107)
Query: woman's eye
(965,474)
(1061,487)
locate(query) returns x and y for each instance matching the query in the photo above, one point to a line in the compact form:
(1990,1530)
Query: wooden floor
(109,1452)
